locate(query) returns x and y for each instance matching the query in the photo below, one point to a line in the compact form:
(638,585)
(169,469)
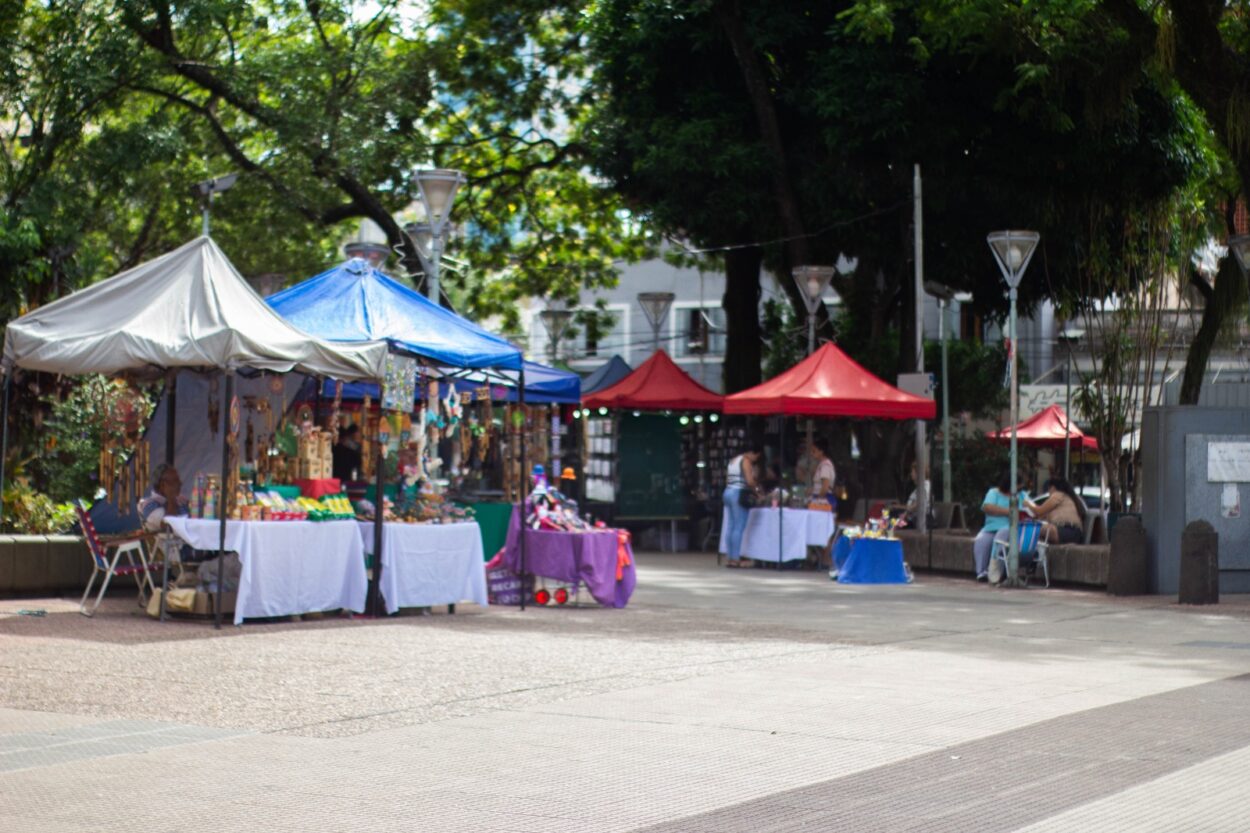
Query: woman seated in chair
(997,509)
(1062,513)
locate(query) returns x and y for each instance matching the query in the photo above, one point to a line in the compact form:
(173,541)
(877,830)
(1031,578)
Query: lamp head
(437,187)
(1013,250)
(655,306)
(812,282)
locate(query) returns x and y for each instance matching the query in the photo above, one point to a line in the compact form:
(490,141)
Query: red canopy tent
(828,383)
(1046,428)
(657,384)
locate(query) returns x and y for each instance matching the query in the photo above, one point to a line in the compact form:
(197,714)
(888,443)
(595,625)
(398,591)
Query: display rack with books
(600,469)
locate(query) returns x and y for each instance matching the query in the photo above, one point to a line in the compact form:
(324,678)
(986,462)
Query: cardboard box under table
(289,567)
(429,564)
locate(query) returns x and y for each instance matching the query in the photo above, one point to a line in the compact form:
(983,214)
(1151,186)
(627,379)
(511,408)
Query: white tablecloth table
(803,528)
(289,567)
(429,564)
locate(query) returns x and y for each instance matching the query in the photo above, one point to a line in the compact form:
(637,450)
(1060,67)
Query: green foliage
(95,411)
(785,338)
(27,512)
(976,372)
(976,463)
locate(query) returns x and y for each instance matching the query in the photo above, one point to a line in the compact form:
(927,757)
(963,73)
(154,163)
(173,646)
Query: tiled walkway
(718,701)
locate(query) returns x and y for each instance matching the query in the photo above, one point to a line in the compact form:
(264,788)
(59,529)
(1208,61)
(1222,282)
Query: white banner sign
(1228,462)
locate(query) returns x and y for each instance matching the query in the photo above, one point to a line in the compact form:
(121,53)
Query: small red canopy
(829,383)
(657,384)
(1046,428)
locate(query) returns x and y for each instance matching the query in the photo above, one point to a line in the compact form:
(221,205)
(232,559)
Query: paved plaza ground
(720,700)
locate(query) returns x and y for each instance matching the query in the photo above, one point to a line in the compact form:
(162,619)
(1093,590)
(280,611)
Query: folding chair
(1032,550)
(127,545)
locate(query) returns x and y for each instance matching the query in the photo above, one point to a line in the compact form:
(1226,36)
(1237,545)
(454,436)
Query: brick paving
(719,700)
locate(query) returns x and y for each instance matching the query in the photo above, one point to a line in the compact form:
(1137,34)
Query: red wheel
(541,597)
(562,595)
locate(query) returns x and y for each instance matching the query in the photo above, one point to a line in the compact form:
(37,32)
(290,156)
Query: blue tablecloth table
(869,561)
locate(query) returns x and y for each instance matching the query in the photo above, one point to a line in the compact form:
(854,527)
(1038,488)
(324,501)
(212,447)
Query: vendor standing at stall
(823,474)
(345,455)
(741,484)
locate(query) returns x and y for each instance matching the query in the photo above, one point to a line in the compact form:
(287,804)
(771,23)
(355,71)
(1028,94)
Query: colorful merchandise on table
(883,528)
(547,508)
(265,505)
(424,509)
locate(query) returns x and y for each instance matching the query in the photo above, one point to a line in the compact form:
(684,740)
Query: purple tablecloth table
(588,557)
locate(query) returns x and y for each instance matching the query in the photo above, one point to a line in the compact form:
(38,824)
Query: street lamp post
(1067,338)
(370,244)
(437,189)
(1013,250)
(206,190)
(655,306)
(944,295)
(556,320)
(812,282)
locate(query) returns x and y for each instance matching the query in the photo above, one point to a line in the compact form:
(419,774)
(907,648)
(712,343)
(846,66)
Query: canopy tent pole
(4,437)
(379,508)
(521,405)
(171,405)
(171,409)
(781,492)
(223,502)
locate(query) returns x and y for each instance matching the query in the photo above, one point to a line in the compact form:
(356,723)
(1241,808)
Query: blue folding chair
(1032,550)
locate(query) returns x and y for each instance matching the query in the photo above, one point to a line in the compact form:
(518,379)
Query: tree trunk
(742,317)
(1225,298)
(797,251)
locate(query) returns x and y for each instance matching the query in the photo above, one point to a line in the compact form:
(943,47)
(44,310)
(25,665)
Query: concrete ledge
(951,552)
(43,564)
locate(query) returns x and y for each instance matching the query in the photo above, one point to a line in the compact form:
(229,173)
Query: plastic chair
(1032,549)
(128,545)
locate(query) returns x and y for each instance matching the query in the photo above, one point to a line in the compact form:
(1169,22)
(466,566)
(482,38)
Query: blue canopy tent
(543,385)
(606,375)
(355,301)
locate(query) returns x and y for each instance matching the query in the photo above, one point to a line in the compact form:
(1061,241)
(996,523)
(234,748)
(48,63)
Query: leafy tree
(331,106)
(799,123)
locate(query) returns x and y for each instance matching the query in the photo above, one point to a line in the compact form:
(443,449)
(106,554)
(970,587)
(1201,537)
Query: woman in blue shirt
(997,509)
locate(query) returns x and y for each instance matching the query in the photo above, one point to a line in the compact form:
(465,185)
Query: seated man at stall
(166,499)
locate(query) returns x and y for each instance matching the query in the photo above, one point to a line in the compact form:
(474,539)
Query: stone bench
(47,564)
(951,552)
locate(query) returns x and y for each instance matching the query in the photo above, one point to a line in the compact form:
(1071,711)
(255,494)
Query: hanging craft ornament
(236,418)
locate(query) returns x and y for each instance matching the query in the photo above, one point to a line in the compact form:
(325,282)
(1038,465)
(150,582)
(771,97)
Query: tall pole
(524,478)
(946,409)
(1067,421)
(4,435)
(208,201)
(436,261)
(811,348)
(1013,542)
(223,501)
(922,461)
(373,607)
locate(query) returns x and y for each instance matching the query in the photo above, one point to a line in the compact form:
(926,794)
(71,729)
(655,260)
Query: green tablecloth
(492,519)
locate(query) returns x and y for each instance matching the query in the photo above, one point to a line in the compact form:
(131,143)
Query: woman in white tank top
(740,477)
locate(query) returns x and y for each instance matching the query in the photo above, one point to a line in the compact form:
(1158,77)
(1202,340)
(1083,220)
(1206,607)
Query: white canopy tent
(187,309)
